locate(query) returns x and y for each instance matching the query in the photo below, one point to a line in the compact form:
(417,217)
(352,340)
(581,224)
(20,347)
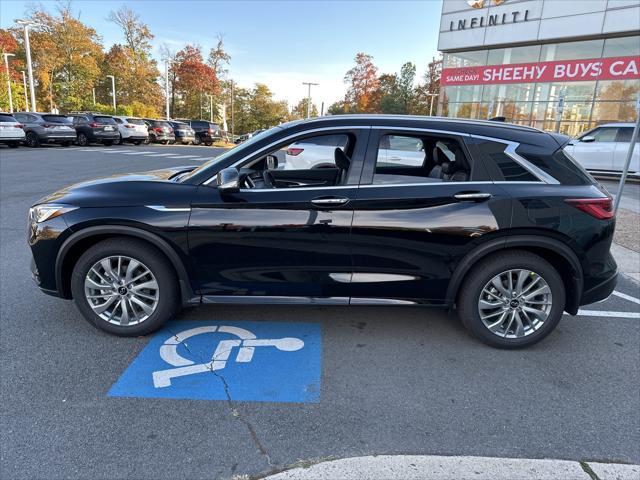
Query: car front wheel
(32,140)
(512,299)
(82,140)
(125,287)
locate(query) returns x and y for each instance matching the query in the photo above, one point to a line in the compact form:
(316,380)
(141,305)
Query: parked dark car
(183,132)
(160,131)
(206,132)
(11,132)
(42,128)
(95,128)
(497,222)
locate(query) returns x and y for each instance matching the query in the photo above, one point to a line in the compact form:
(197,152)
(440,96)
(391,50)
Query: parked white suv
(131,129)
(604,149)
(11,132)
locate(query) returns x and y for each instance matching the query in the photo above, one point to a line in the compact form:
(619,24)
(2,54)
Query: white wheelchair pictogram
(246,344)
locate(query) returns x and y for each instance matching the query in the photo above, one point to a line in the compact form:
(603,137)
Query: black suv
(42,128)
(206,132)
(492,219)
(95,128)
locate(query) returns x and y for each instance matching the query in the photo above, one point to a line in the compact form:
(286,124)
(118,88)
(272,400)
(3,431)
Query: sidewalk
(426,467)
(626,246)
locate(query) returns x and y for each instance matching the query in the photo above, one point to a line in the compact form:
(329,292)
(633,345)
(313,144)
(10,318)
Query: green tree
(300,110)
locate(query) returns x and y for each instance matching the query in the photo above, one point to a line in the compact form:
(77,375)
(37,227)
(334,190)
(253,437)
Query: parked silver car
(11,132)
(42,128)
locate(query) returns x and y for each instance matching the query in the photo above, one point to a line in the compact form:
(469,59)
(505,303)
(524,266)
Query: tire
(32,140)
(196,141)
(118,141)
(472,291)
(208,143)
(147,141)
(82,140)
(166,293)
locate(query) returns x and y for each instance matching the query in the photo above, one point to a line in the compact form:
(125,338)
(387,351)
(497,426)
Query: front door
(285,234)
(413,222)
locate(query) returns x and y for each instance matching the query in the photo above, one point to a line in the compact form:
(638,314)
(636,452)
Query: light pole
(113,91)
(6,67)
(26,98)
(233,120)
(27,47)
(166,88)
(210,106)
(309,84)
(432,95)
(93,92)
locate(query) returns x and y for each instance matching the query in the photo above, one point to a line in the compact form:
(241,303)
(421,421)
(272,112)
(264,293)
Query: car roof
(616,124)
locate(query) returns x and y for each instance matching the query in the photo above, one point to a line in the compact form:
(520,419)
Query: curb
(423,467)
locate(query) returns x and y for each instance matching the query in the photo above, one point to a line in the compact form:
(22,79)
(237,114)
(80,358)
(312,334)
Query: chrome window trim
(288,137)
(163,208)
(295,189)
(510,150)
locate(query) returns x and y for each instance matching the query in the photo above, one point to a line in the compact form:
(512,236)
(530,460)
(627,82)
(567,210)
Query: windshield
(232,151)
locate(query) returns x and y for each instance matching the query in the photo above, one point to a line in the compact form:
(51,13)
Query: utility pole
(166,87)
(93,90)
(322,110)
(26,98)
(27,47)
(6,66)
(210,106)
(309,84)
(233,123)
(113,91)
(432,95)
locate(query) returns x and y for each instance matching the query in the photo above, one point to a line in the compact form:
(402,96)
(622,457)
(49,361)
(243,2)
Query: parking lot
(403,380)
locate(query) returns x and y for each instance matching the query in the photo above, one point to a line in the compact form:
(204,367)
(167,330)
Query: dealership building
(559,65)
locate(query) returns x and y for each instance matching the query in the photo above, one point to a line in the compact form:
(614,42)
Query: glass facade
(586,103)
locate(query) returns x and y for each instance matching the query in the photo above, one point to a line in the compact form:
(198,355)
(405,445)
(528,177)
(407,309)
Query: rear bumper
(600,291)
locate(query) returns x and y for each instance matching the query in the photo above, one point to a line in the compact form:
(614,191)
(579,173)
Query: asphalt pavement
(394,380)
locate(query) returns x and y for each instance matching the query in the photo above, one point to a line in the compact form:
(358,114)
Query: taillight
(293,151)
(600,208)
(210,131)
(46,125)
(129,126)
(94,125)
(158,129)
(19,125)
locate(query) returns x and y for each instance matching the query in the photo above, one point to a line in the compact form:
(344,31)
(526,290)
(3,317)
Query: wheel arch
(560,255)
(79,242)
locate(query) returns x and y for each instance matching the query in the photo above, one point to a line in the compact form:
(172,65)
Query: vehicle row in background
(11,132)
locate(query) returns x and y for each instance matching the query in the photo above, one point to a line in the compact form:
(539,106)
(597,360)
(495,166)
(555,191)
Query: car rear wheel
(512,299)
(125,287)
(82,140)
(196,141)
(32,140)
(118,141)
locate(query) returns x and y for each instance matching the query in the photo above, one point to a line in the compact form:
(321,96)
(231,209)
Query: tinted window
(104,120)
(327,141)
(56,118)
(500,165)
(162,124)
(135,121)
(562,167)
(7,118)
(200,124)
(118,120)
(179,125)
(625,134)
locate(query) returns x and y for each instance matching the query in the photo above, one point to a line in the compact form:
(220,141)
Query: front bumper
(185,139)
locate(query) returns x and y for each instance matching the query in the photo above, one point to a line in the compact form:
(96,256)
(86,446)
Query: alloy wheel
(515,303)
(121,290)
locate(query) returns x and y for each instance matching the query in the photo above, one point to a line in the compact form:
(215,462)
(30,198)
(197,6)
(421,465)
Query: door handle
(472,196)
(329,201)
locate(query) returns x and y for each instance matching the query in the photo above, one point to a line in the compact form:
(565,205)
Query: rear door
(622,149)
(410,230)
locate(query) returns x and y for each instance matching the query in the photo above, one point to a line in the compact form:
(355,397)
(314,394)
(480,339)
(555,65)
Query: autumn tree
(362,82)
(131,63)
(9,44)
(194,81)
(66,56)
(219,59)
(338,108)
(429,92)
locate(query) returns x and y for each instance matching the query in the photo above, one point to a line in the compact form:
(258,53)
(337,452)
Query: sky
(279,43)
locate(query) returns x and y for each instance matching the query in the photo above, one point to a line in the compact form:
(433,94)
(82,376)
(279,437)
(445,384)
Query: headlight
(46,211)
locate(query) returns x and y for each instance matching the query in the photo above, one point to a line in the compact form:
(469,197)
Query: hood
(124,189)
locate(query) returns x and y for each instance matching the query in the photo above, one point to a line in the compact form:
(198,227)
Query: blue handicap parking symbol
(258,361)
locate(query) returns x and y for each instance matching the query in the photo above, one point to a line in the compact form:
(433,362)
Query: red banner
(617,68)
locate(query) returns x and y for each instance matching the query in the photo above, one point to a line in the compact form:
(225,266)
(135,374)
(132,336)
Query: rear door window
(624,134)
(7,119)
(502,168)
(604,134)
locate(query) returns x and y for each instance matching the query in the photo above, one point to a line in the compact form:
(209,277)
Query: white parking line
(187,156)
(138,153)
(602,313)
(163,155)
(115,151)
(626,297)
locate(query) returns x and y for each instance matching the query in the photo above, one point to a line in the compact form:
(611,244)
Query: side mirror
(228,180)
(272,162)
(588,139)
